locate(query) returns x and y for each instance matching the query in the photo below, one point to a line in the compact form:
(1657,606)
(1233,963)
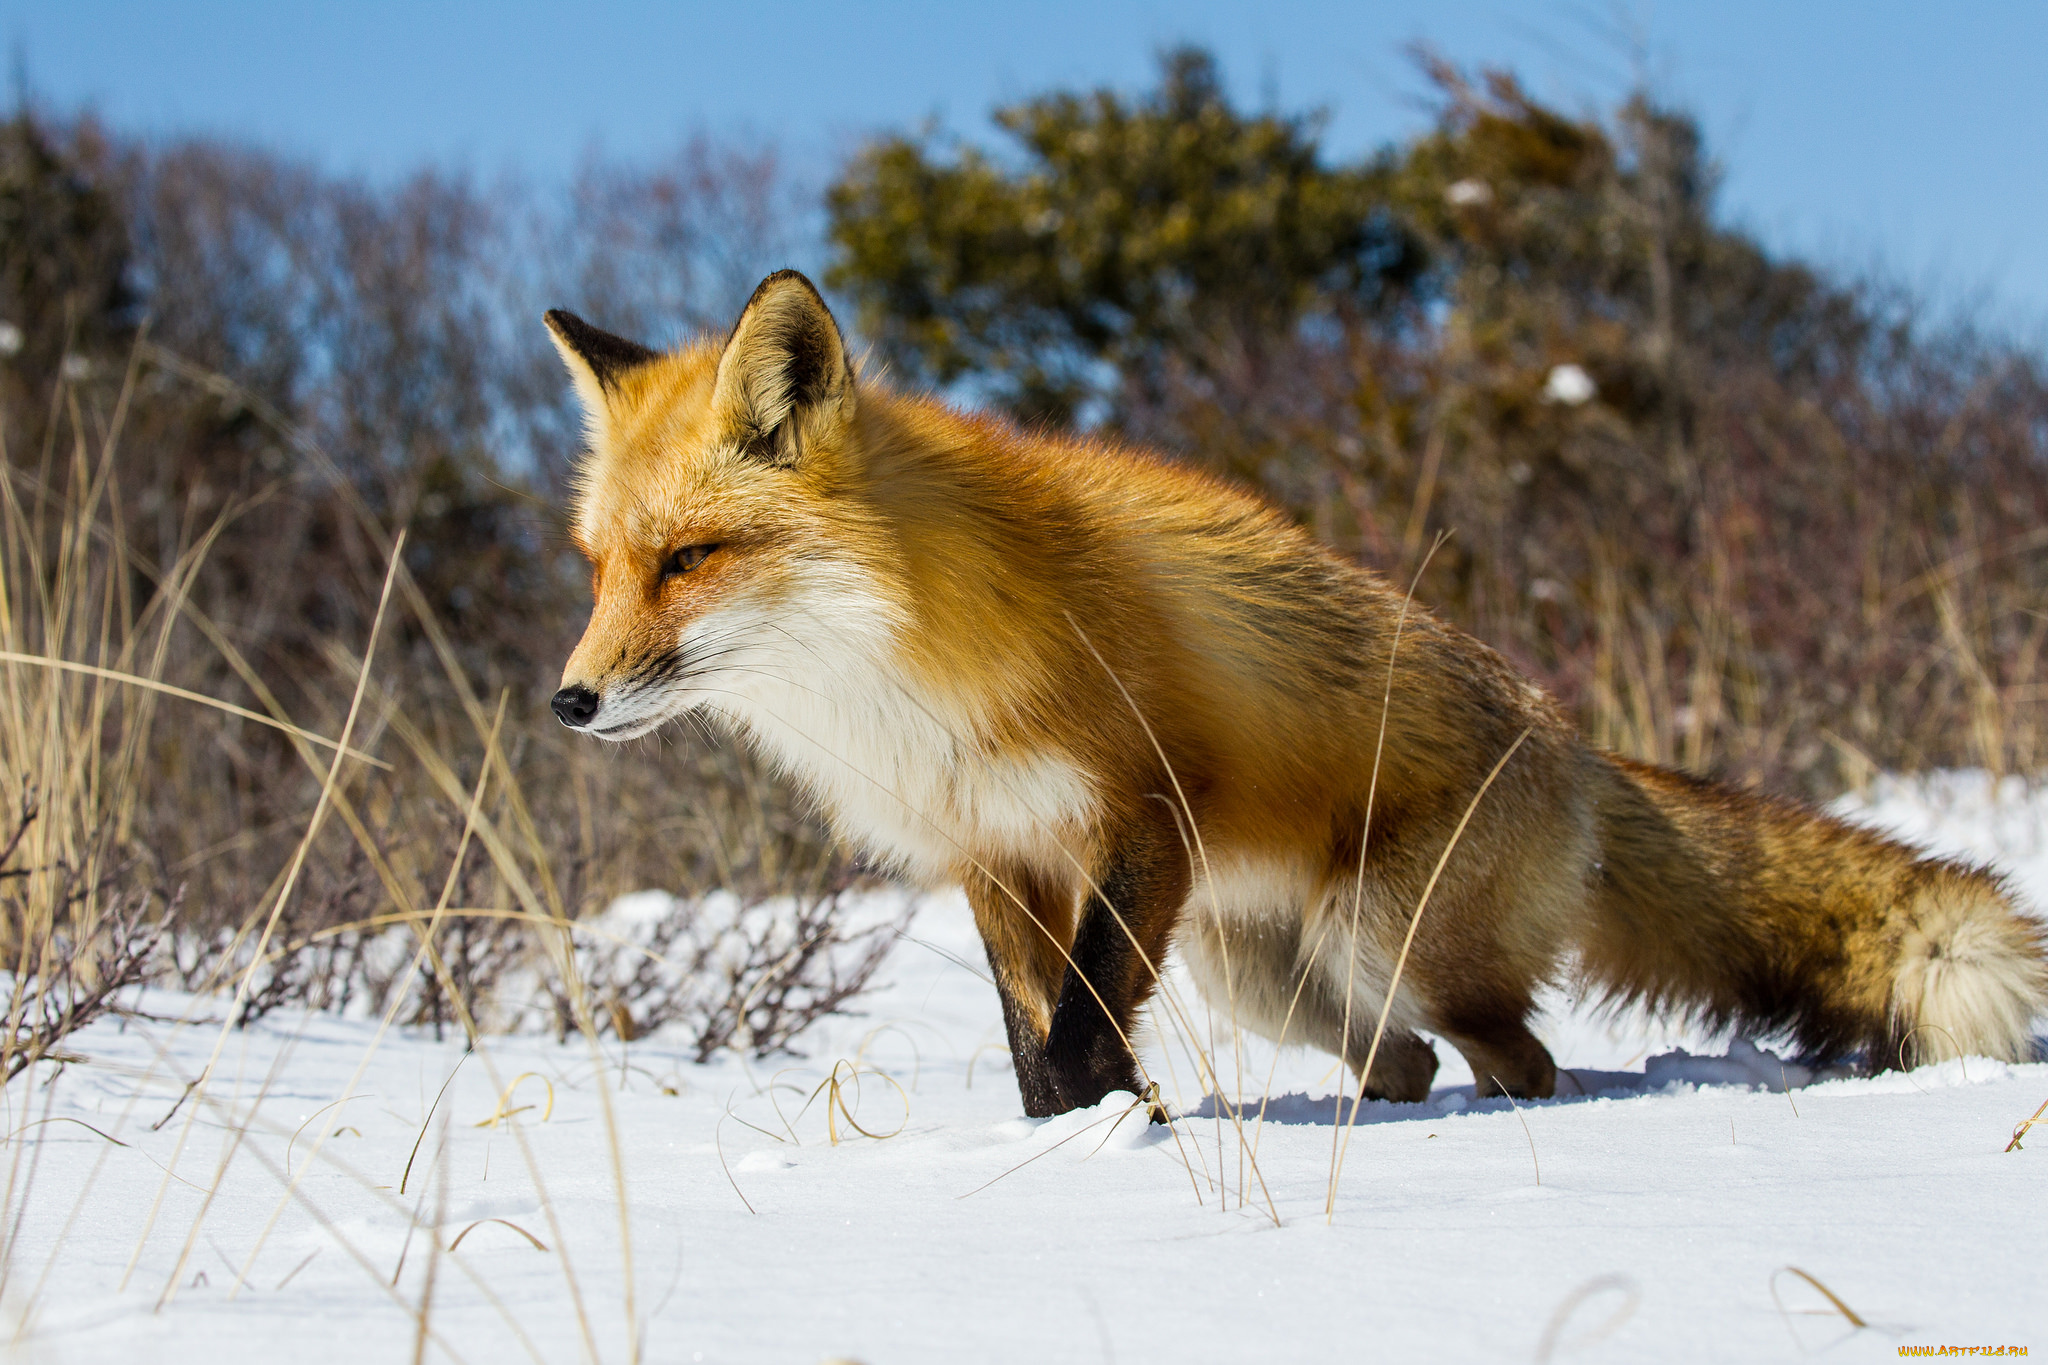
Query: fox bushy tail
(1751,913)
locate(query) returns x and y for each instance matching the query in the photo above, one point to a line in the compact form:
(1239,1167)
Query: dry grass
(424,887)
(1553,1339)
(1835,1304)
(2020,1130)
(1401,962)
(110,807)
(83,904)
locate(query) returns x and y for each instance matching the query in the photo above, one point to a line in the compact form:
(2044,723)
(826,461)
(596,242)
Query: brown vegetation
(234,388)
(1792,535)
(1781,529)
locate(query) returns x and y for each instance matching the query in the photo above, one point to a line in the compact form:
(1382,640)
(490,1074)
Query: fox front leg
(1027,1052)
(1023,922)
(1126,924)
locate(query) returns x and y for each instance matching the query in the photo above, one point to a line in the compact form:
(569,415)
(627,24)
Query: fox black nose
(575,706)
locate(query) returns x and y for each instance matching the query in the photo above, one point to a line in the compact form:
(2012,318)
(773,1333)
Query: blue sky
(1906,139)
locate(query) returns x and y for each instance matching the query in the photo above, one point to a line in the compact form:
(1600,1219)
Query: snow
(1653,1216)
(1468,193)
(1569,385)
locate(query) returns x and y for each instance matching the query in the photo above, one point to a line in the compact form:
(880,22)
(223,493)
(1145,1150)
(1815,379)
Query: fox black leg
(1022,922)
(1027,1052)
(1125,927)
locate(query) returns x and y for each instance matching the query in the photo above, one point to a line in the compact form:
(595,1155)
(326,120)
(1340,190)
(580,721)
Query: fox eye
(686,559)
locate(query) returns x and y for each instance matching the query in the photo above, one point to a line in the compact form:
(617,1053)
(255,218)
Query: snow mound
(1744,1063)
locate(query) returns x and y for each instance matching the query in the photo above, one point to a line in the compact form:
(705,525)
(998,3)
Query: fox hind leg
(1506,1059)
(1482,1009)
(1402,1068)
(1267,981)
(1405,1063)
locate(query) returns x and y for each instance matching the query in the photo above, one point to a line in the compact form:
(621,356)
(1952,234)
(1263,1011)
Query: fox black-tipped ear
(783,379)
(596,359)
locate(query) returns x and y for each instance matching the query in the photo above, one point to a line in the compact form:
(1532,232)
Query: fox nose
(576,707)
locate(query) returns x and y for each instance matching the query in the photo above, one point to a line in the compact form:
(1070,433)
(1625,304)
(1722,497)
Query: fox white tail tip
(1972,973)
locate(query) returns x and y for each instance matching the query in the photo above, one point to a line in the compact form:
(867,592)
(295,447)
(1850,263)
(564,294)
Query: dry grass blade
(1532,1137)
(185,694)
(384,1023)
(538,1244)
(62,1118)
(290,882)
(292,1274)
(426,1122)
(718,1143)
(1552,1339)
(238,1135)
(1149,1102)
(328,787)
(834,1089)
(503,1112)
(1117,1117)
(424,1314)
(1401,962)
(243,1121)
(1833,1299)
(1190,833)
(308,1121)
(975,1055)
(1955,1051)
(25,1308)
(2021,1131)
(958,961)
(1372,792)
(916,1053)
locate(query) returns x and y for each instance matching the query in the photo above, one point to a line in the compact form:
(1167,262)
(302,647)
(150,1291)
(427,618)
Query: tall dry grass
(124,861)
(84,904)
(434,871)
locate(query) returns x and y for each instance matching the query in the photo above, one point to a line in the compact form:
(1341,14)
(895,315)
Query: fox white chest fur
(818,684)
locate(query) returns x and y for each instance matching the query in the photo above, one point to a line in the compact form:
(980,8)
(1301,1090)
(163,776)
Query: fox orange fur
(1132,709)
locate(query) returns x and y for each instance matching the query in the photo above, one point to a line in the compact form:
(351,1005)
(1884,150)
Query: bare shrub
(85,929)
(719,971)
(730,973)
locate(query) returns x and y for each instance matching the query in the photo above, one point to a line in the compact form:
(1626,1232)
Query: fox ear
(596,359)
(783,380)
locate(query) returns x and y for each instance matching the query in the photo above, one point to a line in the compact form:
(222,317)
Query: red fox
(1131,709)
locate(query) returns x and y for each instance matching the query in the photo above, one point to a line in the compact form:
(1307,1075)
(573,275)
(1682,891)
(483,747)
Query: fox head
(708,506)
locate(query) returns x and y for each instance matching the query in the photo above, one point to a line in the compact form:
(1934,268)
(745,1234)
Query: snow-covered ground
(304,1211)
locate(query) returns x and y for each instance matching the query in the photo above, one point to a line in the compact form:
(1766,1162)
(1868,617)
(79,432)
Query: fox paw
(1082,1081)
